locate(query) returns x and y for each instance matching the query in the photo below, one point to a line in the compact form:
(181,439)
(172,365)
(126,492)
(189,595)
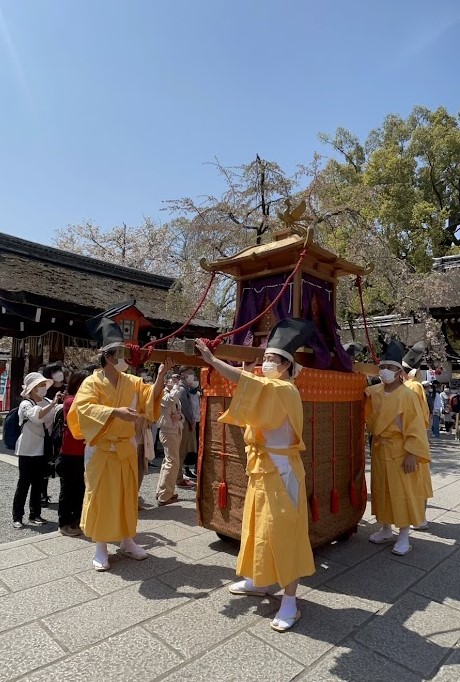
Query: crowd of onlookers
(46,447)
(443,404)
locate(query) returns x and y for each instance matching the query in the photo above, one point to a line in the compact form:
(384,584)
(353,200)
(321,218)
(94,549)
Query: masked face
(447,390)
(271,370)
(189,379)
(42,391)
(121,365)
(195,384)
(58,377)
(388,376)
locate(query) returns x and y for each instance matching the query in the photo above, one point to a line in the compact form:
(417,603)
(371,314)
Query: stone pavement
(368,616)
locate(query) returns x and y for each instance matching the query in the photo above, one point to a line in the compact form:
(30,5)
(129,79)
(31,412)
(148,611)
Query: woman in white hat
(34,413)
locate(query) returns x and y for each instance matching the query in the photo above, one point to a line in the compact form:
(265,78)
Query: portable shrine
(289,277)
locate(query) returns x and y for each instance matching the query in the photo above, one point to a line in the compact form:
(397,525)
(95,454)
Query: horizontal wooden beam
(233,353)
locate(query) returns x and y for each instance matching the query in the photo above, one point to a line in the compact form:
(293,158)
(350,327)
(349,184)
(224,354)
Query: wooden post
(57,347)
(17,379)
(35,361)
(297,294)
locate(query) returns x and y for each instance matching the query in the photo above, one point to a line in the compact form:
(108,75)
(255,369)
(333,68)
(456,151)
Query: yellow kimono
(397,423)
(111,473)
(275,547)
(417,387)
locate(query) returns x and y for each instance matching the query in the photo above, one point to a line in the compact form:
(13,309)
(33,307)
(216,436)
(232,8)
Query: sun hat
(32,380)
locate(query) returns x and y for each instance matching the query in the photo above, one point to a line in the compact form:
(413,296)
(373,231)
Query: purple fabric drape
(318,305)
(256,295)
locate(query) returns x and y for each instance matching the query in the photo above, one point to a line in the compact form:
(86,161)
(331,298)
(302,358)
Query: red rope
(369,342)
(137,357)
(150,344)
(213,343)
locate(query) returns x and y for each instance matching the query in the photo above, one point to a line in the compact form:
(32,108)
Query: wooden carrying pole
(233,353)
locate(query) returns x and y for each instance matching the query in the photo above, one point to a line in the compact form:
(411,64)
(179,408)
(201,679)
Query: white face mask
(121,365)
(270,370)
(195,384)
(387,376)
(42,391)
(58,377)
(190,379)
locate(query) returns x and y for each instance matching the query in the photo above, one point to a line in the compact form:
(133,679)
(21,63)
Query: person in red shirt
(70,467)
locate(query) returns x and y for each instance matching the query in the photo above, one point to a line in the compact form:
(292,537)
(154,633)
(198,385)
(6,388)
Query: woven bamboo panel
(329,427)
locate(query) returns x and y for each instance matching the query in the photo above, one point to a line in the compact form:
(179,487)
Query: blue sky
(109,107)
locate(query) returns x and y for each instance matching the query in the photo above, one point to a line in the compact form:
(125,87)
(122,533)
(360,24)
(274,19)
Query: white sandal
(285,624)
(98,566)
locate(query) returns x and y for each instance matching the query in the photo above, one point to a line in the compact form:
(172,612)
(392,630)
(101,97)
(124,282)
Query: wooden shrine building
(47,294)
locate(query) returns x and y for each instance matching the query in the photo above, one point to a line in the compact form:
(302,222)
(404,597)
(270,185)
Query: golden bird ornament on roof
(289,217)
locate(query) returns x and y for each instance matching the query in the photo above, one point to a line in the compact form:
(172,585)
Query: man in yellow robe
(400,483)
(104,413)
(411,363)
(275,547)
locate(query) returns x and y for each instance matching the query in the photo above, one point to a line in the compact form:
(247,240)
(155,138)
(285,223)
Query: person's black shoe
(37,521)
(191,473)
(18,525)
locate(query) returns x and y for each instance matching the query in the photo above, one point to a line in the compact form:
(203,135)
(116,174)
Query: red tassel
(334,501)
(353,494)
(314,505)
(222,495)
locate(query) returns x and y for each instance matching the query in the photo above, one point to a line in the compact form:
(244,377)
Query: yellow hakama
(397,423)
(275,547)
(111,469)
(418,389)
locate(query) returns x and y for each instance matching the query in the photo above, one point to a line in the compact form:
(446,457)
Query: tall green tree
(403,181)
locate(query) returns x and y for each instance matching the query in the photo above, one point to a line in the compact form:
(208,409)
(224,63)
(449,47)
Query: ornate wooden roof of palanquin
(281,255)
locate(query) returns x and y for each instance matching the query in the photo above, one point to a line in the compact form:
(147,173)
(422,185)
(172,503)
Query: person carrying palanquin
(400,483)
(275,547)
(104,412)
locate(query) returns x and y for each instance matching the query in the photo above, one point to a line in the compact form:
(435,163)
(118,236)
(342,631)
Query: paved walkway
(368,616)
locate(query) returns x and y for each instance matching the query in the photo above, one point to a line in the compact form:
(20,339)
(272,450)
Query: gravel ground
(9,477)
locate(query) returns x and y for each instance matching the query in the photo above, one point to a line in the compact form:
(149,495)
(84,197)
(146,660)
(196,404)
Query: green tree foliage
(403,181)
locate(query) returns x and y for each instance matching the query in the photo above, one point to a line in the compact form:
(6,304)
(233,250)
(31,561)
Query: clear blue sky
(109,107)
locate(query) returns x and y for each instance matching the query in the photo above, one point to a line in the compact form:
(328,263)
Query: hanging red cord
(213,343)
(140,355)
(369,342)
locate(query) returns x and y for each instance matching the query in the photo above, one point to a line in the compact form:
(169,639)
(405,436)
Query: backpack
(57,432)
(11,428)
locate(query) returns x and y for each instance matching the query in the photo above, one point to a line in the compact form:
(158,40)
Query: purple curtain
(318,305)
(256,295)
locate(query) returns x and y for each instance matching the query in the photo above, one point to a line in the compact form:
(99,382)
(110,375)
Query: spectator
(34,413)
(54,371)
(437,408)
(192,457)
(171,423)
(188,440)
(70,466)
(446,410)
